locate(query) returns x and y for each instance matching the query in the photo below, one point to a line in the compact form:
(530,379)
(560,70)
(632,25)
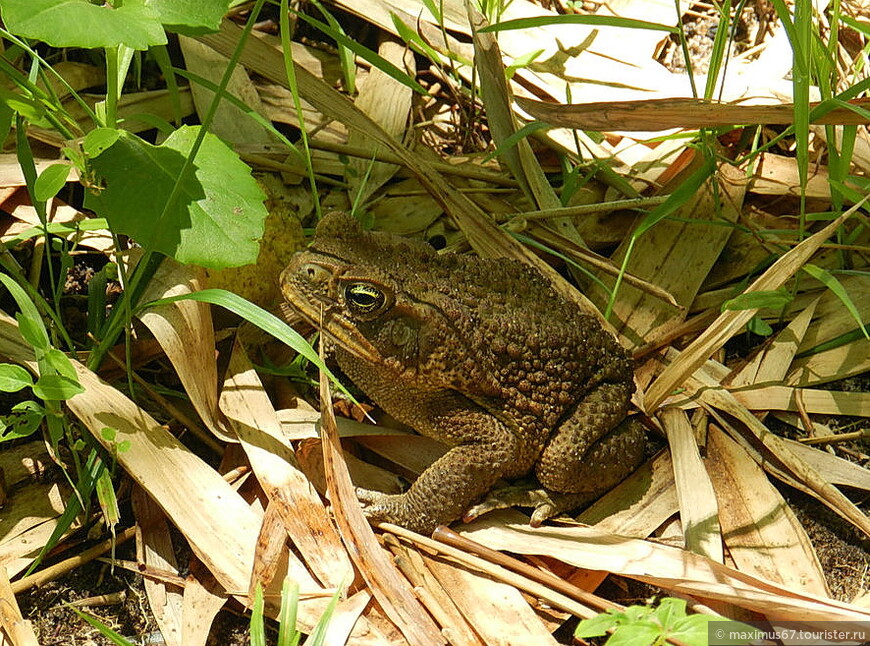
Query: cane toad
(481,354)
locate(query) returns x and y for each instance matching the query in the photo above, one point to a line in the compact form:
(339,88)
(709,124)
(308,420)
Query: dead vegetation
(243,467)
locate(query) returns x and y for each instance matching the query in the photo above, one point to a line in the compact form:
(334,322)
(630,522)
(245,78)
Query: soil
(128,613)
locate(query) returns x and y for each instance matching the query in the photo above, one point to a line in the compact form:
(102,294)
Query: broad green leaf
(670,611)
(759,326)
(22,421)
(56,387)
(13,378)
(217,215)
(60,362)
(81,23)
(693,630)
(29,322)
(774,300)
(641,633)
(50,181)
(190,17)
(98,140)
(596,626)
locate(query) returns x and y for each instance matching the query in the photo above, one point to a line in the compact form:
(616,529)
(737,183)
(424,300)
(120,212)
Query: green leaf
(596,626)
(318,635)
(682,194)
(217,215)
(29,322)
(365,53)
(6,114)
(514,138)
(80,23)
(50,181)
(264,320)
(776,299)
(27,107)
(24,419)
(670,611)
(640,633)
(692,630)
(98,140)
(60,362)
(107,499)
(13,378)
(759,326)
(56,387)
(190,17)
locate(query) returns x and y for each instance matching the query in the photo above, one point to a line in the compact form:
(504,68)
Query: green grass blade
(102,628)
(366,54)
(287,633)
(258,627)
(830,281)
(255,315)
(576,19)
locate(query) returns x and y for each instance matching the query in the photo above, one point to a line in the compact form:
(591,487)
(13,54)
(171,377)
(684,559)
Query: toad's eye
(363,298)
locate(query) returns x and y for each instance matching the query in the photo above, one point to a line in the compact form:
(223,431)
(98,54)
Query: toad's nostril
(314,273)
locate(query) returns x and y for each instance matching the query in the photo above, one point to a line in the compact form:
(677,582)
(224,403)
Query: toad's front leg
(484,450)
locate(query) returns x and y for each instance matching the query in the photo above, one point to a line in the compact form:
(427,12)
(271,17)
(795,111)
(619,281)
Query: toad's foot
(381,507)
(546,504)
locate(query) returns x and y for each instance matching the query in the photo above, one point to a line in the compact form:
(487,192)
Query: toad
(481,354)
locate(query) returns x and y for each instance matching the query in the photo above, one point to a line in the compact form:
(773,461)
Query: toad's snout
(302,270)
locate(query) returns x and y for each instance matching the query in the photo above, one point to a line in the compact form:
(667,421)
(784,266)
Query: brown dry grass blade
(699,513)
(12,624)
(729,322)
(191,493)
(388,103)
(713,395)
(671,568)
(663,114)
(185,332)
(763,536)
(165,601)
(387,584)
(640,504)
(497,99)
(253,418)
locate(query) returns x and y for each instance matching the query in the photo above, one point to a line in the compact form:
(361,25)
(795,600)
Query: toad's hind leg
(594,447)
(591,451)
